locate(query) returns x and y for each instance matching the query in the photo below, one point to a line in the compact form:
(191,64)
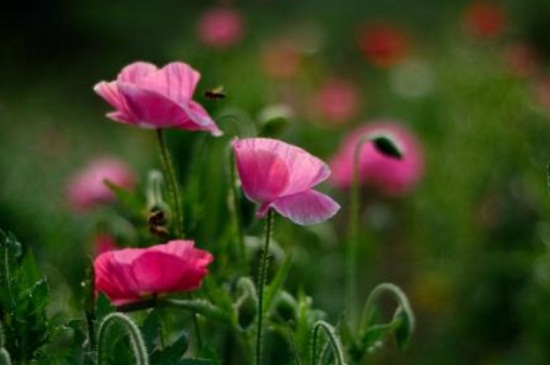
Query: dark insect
(157,223)
(215,93)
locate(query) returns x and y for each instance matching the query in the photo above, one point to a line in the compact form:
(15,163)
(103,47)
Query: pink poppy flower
(131,274)
(484,19)
(337,101)
(383,45)
(220,28)
(149,97)
(87,188)
(281,176)
(391,176)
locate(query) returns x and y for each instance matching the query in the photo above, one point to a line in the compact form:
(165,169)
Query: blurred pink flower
(278,175)
(383,45)
(391,176)
(87,187)
(521,60)
(337,101)
(104,243)
(130,274)
(281,59)
(149,97)
(484,19)
(220,28)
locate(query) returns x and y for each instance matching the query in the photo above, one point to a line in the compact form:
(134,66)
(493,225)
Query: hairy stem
(261,283)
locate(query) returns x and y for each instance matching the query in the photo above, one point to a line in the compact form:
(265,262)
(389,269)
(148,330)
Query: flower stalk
(264,263)
(173,186)
(136,339)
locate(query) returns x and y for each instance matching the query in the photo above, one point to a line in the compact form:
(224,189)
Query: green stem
(196,306)
(136,339)
(173,187)
(333,340)
(353,236)
(235,210)
(4,357)
(261,283)
(397,293)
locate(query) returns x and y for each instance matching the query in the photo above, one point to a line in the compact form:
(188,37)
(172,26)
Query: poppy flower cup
(281,176)
(153,98)
(132,274)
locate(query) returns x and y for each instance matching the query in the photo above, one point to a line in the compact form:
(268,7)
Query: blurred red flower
(383,45)
(484,19)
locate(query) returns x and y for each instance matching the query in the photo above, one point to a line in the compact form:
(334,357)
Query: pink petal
(305,170)
(135,72)
(152,109)
(199,120)
(306,208)
(113,276)
(263,174)
(176,81)
(109,92)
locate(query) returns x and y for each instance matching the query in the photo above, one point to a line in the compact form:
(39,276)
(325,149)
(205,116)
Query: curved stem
(333,340)
(173,186)
(136,339)
(261,283)
(4,357)
(397,293)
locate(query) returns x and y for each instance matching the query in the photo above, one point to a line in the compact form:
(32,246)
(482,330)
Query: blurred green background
(469,244)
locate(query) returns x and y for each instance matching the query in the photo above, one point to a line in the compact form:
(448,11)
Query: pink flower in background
(87,188)
(521,60)
(484,19)
(337,101)
(391,176)
(281,176)
(131,274)
(281,59)
(220,28)
(383,45)
(104,243)
(149,97)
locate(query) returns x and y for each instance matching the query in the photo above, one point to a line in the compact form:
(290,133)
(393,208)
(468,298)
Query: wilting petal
(306,208)
(176,81)
(263,174)
(135,72)
(152,109)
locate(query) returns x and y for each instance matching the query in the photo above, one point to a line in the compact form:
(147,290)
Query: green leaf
(173,353)
(103,307)
(404,331)
(151,328)
(275,286)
